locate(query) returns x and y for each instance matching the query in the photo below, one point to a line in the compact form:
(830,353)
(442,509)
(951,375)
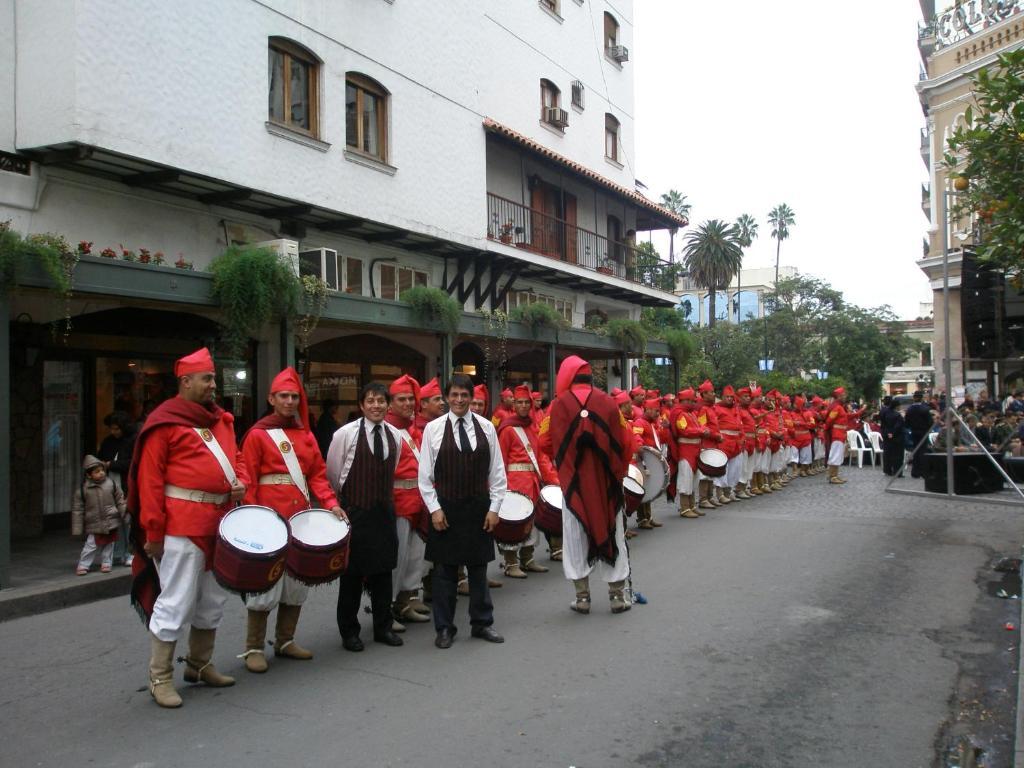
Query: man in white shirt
(361,467)
(462,481)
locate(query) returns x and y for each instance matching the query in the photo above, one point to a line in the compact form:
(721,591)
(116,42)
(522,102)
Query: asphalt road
(820,626)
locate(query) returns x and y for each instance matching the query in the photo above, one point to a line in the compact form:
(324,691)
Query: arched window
(551,111)
(611,137)
(721,307)
(611,31)
(744,304)
(293,85)
(366,116)
(689,306)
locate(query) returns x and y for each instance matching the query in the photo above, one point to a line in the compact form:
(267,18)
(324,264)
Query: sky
(746,104)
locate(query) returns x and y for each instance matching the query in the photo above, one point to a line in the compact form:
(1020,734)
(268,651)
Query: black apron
(461,482)
(367,498)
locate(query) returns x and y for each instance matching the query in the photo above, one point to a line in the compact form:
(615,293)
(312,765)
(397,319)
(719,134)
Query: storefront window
(62,433)
(135,386)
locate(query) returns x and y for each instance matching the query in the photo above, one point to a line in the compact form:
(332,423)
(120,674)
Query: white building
(744,299)
(482,147)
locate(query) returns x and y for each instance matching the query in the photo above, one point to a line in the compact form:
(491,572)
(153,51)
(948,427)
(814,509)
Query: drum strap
(521,434)
(291,461)
(407,439)
(218,453)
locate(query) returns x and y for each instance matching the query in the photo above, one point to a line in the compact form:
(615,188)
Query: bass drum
(318,551)
(515,517)
(656,471)
(249,557)
(711,462)
(549,510)
(633,489)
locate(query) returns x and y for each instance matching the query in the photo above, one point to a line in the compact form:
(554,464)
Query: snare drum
(656,469)
(633,488)
(318,551)
(711,462)
(514,519)
(549,510)
(250,552)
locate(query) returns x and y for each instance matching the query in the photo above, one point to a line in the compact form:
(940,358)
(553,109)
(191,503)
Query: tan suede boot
(556,548)
(284,634)
(198,666)
(418,605)
(161,672)
(511,564)
(617,596)
(404,609)
(255,639)
(528,563)
(582,602)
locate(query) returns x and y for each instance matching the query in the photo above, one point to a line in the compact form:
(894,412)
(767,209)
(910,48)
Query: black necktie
(378,443)
(464,445)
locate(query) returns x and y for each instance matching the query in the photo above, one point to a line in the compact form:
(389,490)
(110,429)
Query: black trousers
(350,594)
(917,465)
(481,610)
(892,456)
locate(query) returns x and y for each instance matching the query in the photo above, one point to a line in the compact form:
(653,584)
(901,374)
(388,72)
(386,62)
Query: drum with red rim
(549,510)
(711,462)
(250,552)
(514,518)
(318,549)
(633,488)
(656,472)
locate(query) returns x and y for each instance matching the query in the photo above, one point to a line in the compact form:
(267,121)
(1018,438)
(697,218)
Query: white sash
(407,439)
(521,434)
(291,461)
(218,453)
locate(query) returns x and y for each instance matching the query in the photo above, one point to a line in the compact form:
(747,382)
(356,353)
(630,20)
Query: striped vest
(370,480)
(459,475)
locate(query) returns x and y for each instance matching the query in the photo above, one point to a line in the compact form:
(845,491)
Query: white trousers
(794,454)
(819,449)
(805,454)
(89,550)
(288,590)
(778,460)
(836,453)
(189,594)
(575,546)
(734,469)
(685,479)
(411,566)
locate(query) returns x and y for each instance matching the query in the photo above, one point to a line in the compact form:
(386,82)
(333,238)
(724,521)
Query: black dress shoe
(352,643)
(388,638)
(488,634)
(444,638)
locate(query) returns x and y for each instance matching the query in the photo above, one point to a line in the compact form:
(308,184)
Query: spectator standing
(327,425)
(97,509)
(891,421)
(918,419)
(116,454)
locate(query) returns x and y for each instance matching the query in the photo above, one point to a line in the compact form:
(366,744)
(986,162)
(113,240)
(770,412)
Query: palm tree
(781,217)
(675,202)
(746,228)
(712,257)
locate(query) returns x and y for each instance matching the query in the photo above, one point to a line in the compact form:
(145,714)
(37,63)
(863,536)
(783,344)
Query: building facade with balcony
(986,315)
(743,300)
(485,148)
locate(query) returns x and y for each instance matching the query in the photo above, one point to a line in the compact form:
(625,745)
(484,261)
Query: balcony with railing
(540,233)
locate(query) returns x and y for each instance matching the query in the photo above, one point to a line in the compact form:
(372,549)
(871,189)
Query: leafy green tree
(746,227)
(781,218)
(712,258)
(649,269)
(676,203)
(988,149)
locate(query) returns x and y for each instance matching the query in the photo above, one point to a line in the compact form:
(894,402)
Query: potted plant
(144,256)
(537,316)
(606,267)
(181,263)
(127,255)
(108,253)
(84,247)
(506,232)
(433,306)
(158,257)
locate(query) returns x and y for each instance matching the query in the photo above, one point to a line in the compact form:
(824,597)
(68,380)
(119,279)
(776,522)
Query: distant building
(743,300)
(918,370)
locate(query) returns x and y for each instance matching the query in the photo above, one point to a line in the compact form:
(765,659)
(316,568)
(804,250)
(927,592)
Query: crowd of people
(424,481)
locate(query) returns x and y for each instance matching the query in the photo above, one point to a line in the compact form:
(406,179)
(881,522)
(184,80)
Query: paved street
(817,627)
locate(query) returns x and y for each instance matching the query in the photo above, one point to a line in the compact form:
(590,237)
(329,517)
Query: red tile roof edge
(493,126)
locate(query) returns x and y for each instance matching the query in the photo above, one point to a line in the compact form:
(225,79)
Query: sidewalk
(43,578)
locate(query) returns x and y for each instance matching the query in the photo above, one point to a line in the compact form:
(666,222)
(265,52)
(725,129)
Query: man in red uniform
(537,412)
(836,425)
(289,475)
(743,395)
(478,404)
(802,437)
(527,469)
(730,425)
(791,453)
(637,395)
(589,443)
(504,408)
(410,514)
(708,417)
(687,433)
(185,472)
(431,404)
(648,431)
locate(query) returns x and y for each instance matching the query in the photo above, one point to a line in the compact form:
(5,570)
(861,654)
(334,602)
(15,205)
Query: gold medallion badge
(275,572)
(207,435)
(285,446)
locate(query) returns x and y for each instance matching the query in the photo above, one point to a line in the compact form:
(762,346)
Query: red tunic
(731,427)
(707,417)
(749,428)
(686,434)
(176,455)
(263,457)
(513,452)
(408,502)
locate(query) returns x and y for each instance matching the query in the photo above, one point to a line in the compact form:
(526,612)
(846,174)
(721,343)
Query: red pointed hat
(688,394)
(480,393)
(653,403)
(506,393)
(535,395)
(570,368)
(728,390)
(622,397)
(405,384)
(522,392)
(838,392)
(707,386)
(817,400)
(288,381)
(430,389)
(668,396)
(744,391)
(200,361)
(615,392)
(637,391)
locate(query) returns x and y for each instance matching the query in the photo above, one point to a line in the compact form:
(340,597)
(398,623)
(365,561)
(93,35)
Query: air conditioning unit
(619,53)
(556,116)
(322,263)
(286,249)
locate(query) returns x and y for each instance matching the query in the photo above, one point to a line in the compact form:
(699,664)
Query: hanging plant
(432,306)
(497,327)
(51,252)
(253,286)
(630,334)
(314,301)
(681,345)
(538,316)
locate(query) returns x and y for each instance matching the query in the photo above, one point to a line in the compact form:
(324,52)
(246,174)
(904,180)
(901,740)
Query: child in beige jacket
(97,509)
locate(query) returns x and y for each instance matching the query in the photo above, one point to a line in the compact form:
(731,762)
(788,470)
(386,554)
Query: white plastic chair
(875,438)
(855,444)
(932,436)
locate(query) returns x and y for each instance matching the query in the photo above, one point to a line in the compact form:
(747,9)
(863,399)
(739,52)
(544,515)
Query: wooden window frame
(290,51)
(546,86)
(611,127)
(610,42)
(414,281)
(364,84)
